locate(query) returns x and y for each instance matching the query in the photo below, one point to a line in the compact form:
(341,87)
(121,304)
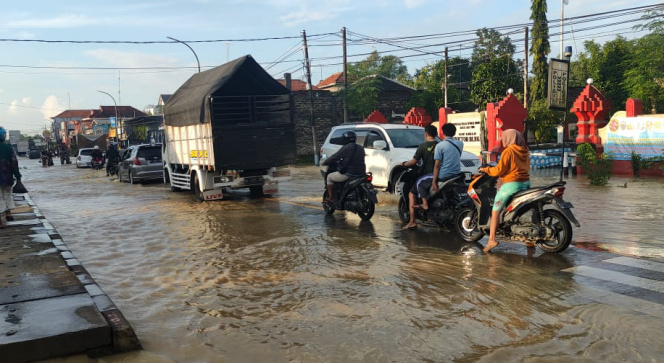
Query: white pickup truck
(229,127)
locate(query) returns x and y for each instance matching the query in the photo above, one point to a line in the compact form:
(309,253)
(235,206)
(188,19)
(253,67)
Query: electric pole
(445,80)
(343,36)
(311,96)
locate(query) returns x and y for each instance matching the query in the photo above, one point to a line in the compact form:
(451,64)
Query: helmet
(348,137)
(3,134)
(96,147)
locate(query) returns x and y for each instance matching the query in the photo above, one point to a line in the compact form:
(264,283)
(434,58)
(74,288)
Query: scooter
(537,215)
(64,157)
(443,205)
(355,195)
(97,163)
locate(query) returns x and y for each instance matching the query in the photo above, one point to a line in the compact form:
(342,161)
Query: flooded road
(275,280)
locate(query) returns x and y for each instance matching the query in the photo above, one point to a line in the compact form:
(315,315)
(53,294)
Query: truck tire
(197,188)
(256,191)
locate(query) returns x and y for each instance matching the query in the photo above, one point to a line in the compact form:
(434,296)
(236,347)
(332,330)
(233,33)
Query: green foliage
(490,45)
(363,96)
(542,121)
(491,80)
(598,168)
(388,66)
(640,164)
(645,76)
(656,20)
(141,132)
(539,49)
(428,80)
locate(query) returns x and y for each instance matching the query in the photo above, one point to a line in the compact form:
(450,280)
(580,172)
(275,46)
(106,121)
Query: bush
(598,168)
(640,164)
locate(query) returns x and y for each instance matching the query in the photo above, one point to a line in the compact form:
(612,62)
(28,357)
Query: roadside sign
(558,78)
(14,136)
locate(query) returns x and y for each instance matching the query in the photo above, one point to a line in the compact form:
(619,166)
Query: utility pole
(445,80)
(343,36)
(525,81)
(311,96)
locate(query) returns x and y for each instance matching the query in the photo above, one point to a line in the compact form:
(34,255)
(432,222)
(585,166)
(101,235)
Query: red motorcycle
(97,163)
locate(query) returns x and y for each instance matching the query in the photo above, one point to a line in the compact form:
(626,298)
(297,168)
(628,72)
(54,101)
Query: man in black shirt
(351,163)
(421,187)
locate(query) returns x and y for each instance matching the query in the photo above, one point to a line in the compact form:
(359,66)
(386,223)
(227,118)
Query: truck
(227,128)
(22,147)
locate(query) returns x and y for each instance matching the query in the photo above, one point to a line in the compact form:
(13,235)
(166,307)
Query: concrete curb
(93,340)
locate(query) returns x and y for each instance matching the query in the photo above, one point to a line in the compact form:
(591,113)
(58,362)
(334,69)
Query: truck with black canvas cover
(229,127)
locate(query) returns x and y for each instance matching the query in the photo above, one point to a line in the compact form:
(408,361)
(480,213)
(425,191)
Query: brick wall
(328,112)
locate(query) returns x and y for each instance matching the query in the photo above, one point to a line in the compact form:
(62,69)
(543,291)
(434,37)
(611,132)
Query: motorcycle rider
(97,155)
(112,157)
(425,153)
(447,156)
(351,163)
(513,168)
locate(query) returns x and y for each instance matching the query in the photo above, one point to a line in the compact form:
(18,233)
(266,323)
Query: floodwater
(275,280)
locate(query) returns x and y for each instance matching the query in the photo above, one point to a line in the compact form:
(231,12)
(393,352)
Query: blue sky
(29,96)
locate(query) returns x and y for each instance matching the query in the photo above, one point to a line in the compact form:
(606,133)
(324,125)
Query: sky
(38,80)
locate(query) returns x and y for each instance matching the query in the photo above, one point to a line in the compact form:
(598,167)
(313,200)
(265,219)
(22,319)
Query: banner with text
(643,135)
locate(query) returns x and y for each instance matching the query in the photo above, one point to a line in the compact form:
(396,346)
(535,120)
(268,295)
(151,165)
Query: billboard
(14,136)
(643,135)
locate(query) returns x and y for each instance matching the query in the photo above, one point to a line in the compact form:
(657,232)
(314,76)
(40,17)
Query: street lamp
(116,112)
(192,50)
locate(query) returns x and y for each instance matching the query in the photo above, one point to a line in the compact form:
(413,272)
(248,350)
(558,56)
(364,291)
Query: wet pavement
(274,279)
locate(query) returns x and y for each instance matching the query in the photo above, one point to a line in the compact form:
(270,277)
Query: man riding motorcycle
(97,157)
(112,158)
(351,159)
(424,153)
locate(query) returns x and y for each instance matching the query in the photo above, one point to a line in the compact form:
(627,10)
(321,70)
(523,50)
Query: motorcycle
(97,163)
(64,157)
(46,158)
(523,219)
(443,206)
(356,195)
(112,167)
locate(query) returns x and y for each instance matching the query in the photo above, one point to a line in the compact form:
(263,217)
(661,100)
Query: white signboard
(558,78)
(14,136)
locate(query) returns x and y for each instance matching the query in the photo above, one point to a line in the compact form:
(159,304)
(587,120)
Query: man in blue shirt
(447,156)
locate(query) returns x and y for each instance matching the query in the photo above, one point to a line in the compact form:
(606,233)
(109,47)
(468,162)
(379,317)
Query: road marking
(633,262)
(617,277)
(623,301)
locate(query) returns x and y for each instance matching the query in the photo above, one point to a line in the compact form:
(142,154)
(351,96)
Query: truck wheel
(197,188)
(256,191)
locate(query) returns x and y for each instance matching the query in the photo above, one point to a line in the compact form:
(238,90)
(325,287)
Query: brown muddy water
(275,280)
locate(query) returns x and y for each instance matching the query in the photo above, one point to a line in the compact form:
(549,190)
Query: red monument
(417,116)
(592,109)
(506,114)
(376,117)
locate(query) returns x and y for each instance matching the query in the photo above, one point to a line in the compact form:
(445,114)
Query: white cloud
(305,15)
(26,101)
(13,106)
(51,107)
(131,59)
(60,22)
(414,3)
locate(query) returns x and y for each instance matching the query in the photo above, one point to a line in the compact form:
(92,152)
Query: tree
(539,49)
(428,80)
(363,96)
(491,80)
(490,45)
(645,76)
(543,121)
(388,66)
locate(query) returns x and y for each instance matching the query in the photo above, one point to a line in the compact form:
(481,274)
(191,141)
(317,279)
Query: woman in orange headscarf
(513,168)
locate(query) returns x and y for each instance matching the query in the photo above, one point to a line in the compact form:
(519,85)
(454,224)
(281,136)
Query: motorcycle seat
(536,189)
(445,184)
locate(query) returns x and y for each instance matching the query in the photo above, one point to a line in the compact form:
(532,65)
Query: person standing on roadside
(8,171)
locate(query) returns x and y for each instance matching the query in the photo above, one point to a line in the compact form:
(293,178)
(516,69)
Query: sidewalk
(49,305)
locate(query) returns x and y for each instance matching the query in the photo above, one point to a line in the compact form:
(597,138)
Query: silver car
(139,163)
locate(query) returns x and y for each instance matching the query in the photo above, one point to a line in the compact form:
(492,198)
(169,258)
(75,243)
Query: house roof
(74,114)
(336,78)
(387,84)
(296,84)
(164,98)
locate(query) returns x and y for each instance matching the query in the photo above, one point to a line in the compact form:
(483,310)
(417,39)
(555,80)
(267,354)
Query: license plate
(270,189)
(213,194)
(254,180)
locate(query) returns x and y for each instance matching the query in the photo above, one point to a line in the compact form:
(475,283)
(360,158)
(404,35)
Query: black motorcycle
(443,205)
(64,157)
(112,167)
(356,195)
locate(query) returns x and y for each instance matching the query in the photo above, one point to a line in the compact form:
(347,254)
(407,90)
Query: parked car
(386,147)
(34,153)
(140,163)
(84,158)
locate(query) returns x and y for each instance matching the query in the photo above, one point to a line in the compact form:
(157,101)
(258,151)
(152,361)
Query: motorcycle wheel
(327,207)
(404,212)
(563,237)
(368,207)
(466,225)
(62,161)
